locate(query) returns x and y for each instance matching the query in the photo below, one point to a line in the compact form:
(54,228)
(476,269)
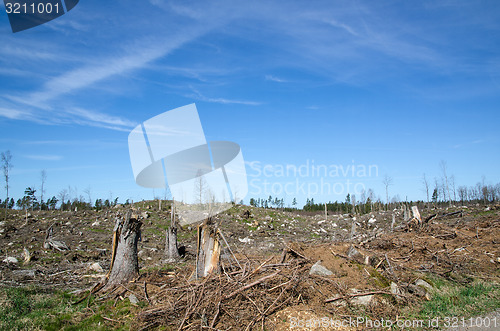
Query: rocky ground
(338,267)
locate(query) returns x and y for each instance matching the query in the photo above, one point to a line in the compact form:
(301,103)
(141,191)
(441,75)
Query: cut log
(429,218)
(208,249)
(124,264)
(451,214)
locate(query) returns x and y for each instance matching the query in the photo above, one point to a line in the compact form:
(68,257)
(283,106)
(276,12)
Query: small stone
(133,299)
(395,289)
(24,273)
(10,259)
(362,300)
(352,252)
(96,267)
(245,240)
(424,284)
(318,269)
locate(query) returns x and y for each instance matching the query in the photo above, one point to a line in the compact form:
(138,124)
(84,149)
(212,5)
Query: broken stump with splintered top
(124,263)
(208,249)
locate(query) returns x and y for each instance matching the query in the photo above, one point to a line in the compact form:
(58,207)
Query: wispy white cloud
(100,118)
(44,157)
(343,26)
(13,114)
(312,107)
(199,96)
(137,55)
(276,79)
(89,75)
(469,143)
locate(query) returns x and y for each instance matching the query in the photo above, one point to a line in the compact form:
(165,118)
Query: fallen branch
(451,214)
(360,295)
(110,319)
(146,291)
(250,285)
(298,254)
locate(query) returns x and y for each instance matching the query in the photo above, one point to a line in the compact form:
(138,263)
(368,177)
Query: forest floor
(377,275)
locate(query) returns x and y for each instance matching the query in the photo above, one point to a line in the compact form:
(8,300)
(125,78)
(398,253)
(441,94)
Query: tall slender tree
(43,177)
(387,182)
(6,166)
(446,184)
(425,182)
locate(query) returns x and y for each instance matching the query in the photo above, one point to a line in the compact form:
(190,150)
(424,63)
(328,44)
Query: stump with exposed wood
(208,249)
(171,248)
(124,263)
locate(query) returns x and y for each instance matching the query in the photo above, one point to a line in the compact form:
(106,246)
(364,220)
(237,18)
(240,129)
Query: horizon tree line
(444,191)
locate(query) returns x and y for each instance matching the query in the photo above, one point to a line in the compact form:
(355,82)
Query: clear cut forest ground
(441,274)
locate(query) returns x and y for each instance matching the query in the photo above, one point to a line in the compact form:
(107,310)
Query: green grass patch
(450,299)
(32,308)
(486,212)
(464,301)
(379,279)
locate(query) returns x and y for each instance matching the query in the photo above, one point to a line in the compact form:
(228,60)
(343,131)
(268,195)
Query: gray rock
(24,273)
(96,267)
(318,269)
(246,240)
(395,289)
(10,259)
(133,299)
(424,284)
(362,300)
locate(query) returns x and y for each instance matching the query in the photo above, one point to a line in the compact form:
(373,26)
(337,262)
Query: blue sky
(401,85)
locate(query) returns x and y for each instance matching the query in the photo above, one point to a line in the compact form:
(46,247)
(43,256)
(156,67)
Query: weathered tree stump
(124,263)
(171,249)
(208,249)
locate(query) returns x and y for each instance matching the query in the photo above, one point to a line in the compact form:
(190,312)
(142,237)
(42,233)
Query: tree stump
(208,249)
(124,263)
(171,248)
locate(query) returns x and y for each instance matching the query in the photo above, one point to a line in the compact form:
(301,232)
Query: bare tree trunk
(124,263)
(326,213)
(171,249)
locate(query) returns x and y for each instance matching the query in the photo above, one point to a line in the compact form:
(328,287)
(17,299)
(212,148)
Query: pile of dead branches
(239,296)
